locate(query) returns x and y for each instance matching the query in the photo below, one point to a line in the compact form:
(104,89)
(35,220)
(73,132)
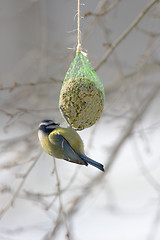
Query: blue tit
(64,143)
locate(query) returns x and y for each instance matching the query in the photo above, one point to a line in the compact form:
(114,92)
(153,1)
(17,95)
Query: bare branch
(105,10)
(12,200)
(61,209)
(125,34)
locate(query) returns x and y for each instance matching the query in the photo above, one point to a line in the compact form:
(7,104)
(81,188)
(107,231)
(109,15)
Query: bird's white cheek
(41,136)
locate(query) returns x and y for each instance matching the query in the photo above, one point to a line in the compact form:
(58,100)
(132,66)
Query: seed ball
(82,102)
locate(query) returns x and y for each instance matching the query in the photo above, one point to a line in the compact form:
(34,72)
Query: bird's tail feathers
(92,162)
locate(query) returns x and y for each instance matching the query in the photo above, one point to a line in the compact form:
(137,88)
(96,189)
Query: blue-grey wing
(68,153)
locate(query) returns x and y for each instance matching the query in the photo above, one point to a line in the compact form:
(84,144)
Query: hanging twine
(79,45)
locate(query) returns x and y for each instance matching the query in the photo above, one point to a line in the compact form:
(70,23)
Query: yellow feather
(71,136)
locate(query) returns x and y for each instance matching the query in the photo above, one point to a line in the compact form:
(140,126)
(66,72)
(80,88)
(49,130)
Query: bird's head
(47,126)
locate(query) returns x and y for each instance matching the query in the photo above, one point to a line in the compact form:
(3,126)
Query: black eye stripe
(52,125)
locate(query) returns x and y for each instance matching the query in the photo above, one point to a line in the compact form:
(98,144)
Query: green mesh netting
(81,67)
(82,95)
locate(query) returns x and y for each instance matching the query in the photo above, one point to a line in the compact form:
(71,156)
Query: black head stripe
(47,126)
(48,123)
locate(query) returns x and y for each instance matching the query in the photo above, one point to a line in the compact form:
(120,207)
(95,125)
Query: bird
(64,143)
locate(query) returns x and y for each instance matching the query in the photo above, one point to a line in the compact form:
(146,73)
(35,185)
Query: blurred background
(45,199)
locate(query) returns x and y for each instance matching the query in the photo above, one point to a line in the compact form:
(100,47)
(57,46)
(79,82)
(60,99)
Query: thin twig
(100,6)
(12,200)
(61,209)
(105,10)
(155,224)
(30,84)
(125,33)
